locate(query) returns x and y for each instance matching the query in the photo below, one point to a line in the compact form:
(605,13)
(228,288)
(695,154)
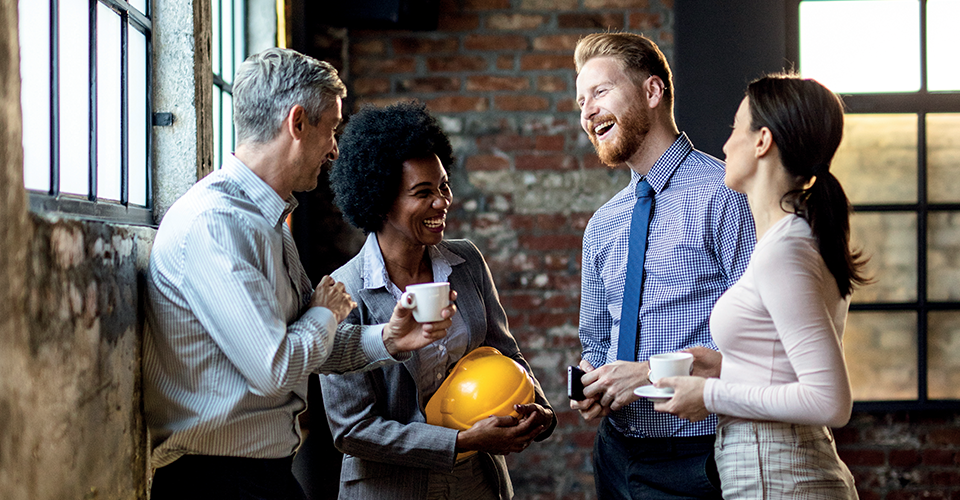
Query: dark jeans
(653,468)
(207,477)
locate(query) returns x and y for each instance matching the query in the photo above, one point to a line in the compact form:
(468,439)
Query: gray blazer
(375,417)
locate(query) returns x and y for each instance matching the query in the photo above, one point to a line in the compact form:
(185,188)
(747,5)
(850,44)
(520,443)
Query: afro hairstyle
(376,141)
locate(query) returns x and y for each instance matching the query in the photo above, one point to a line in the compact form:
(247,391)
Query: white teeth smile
(602,128)
(434,222)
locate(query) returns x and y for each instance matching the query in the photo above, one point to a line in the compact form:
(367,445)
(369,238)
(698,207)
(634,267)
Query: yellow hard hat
(482,383)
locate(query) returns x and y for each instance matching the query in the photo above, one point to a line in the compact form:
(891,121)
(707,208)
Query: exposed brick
(487,163)
(522,301)
(457,104)
(429,84)
(845,435)
(939,457)
(665,39)
(519,221)
(368,48)
(424,45)
(948,436)
(458,22)
(495,42)
(548,4)
(550,142)
(550,242)
(551,83)
(578,221)
(914,494)
(481,83)
(944,478)
(366,86)
(567,105)
(545,162)
(456,63)
(552,222)
(904,458)
(505,142)
(379,102)
(551,320)
(366,66)
(515,21)
(521,103)
(591,160)
(505,62)
(559,302)
(645,20)
(486,4)
(556,43)
(590,21)
(532,62)
(555,262)
(616,4)
(855,458)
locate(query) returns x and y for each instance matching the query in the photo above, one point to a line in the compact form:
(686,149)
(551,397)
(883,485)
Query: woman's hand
(687,400)
(501,435)
(542,417)
(706,362)
(403,333)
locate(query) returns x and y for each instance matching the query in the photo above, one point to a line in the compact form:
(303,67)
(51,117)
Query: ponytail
(806,121)
(826,208)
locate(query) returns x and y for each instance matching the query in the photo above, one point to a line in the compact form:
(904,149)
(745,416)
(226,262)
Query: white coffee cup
(671,364)
(427,300)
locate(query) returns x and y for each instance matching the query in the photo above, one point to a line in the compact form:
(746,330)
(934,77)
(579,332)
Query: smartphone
(574,384)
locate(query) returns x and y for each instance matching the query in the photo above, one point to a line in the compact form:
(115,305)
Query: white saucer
(651,392)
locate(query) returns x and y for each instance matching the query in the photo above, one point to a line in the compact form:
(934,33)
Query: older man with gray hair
(235,326)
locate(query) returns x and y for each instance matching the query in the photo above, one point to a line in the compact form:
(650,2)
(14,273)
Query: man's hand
(706,362)
(403,333)
(589,408)
(612,384)
(687,401)
(333,295)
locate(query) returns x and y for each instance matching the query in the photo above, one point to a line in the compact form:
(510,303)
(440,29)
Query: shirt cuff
(372,341)
(708,391)
(325,321)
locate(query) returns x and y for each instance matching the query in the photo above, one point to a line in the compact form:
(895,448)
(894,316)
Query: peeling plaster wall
(70,413)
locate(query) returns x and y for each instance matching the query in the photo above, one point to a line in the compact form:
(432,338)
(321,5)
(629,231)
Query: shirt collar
(375,271)
(271,205)
(661,171)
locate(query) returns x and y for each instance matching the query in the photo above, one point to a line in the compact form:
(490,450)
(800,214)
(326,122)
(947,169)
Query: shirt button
(439,376)
(633,429)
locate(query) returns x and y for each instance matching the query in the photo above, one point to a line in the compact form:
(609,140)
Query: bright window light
(862,46)
(943,45)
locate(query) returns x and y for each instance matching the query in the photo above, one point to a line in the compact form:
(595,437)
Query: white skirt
(776,460)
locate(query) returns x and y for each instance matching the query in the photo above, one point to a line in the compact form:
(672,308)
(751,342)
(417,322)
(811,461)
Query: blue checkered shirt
(699,243)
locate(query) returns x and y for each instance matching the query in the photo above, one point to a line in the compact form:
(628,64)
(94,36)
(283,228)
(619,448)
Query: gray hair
(271,82)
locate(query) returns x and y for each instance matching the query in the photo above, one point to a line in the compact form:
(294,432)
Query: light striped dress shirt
(699,243)
(231,341)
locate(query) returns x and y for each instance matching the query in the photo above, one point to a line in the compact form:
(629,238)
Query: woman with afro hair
(391,181)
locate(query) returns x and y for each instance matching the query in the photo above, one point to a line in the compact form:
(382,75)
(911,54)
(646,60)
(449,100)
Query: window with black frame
(229,50)
(895,64)
(85,69)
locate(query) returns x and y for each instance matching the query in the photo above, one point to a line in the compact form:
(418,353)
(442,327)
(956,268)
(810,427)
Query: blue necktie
(630,313)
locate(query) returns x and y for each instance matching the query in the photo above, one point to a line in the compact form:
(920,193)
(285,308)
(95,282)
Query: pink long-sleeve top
(779,329)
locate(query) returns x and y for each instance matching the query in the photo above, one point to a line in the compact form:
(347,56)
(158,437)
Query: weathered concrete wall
(71,424)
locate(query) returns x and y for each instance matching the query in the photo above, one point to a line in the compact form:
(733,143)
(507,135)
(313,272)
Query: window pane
(943,45)
(239,36)
(943,355)
(881,352)
(843,54)
(877,160)
(74,97)
(889,239)
(140,5)
(227,40)
(216,40)
(108,103)
(217,129)
(35,92)
(943,157)
(943,256)
(137,128)
(227,126)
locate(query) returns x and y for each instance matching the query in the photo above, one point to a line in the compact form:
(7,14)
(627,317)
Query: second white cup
(427,300)
(671,364)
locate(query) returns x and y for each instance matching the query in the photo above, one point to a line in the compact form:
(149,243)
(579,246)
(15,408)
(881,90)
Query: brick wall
(499,74)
